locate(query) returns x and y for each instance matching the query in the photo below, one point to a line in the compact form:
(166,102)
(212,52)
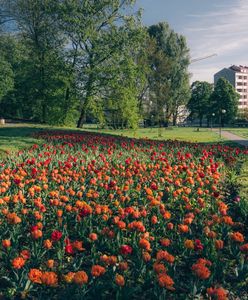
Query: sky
(210,26)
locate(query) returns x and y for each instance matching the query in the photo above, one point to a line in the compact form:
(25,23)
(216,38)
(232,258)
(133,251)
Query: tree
(35,23)
(160,85)
(122,78)
(224,97)
(73,49)
(121,104)
(92,28)
(173,51)
(13,55)
(6,77)
(79,58)
(182,96)
(243,115)
(199,103)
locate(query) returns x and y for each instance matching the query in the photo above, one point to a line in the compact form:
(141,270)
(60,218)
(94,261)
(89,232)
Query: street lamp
(222,112)
(213,114)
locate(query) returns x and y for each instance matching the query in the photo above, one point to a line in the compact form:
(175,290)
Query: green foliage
(122,109)
(243,184)
(38,63)
(6,69)
(225,98)
(122,88)
(169,60)
(91,28)
(242,115)
(68,61)
(200,102)
(6,77)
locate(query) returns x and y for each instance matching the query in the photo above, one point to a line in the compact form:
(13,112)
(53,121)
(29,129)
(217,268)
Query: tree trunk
(67,96)
(167,117)
(86,101)
(208,122)
(81,117)
(68,88)
(44,112)
(42,90)
(174,119)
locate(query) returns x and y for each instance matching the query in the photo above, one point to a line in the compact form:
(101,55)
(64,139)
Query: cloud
(222,31)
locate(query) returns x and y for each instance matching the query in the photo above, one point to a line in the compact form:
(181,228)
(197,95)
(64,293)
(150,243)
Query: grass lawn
(14,137)
(172,133)
(243,132)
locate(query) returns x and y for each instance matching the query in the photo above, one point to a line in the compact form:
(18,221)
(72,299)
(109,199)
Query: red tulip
(126,249)
(56,235)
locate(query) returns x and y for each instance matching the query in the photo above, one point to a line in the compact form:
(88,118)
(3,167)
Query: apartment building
(238,77)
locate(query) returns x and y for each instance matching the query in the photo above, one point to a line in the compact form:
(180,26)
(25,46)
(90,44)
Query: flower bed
(89,216)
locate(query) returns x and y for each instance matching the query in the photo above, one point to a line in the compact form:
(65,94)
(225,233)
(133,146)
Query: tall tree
(36,23)
(224,101)
(92,28)
(121,93)
(160,85)
(173,50)
(199,104)
(6,77)
(15,101)
(182,96)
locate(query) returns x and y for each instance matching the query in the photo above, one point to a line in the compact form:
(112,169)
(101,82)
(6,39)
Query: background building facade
(238,77)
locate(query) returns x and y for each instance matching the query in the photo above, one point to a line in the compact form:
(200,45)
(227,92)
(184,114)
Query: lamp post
(213,114)
(222,112)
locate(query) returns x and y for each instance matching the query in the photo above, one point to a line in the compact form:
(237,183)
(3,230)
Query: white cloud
(223,31)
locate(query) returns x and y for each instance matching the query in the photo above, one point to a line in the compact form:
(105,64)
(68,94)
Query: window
(239,83)
(245,77)
(245,97)
(240,77)
(239,90)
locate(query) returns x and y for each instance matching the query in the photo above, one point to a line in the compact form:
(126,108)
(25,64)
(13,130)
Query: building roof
(239,68)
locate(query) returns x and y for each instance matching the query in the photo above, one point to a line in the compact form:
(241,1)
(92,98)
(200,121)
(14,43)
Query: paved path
(235,138)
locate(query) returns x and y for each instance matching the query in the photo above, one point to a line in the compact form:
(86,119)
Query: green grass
(243,132)
(243,180)
(172,133)
(242,186)
(14,137)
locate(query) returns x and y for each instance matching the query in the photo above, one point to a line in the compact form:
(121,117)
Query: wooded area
(69,62)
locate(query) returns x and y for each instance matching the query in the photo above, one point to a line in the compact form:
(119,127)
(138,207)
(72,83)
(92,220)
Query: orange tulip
(34,275)
(6,243)
(49,279)
(119,280)
(18,262)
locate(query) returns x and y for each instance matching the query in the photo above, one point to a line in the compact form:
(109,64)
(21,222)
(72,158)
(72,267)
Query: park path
(235,138)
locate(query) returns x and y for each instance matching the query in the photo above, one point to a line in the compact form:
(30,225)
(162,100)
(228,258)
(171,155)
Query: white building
(238,77)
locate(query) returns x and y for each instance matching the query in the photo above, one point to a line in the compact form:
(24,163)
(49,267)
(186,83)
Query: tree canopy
(169,61)
(225,98)
(75,61)
(200,105)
